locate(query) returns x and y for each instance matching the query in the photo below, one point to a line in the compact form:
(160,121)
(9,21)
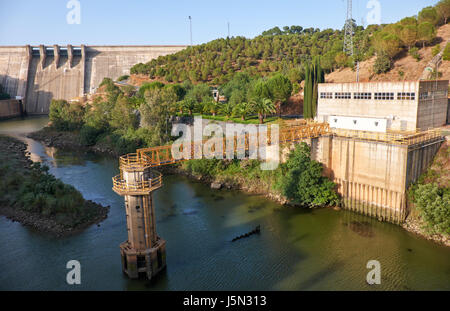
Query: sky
(165,22)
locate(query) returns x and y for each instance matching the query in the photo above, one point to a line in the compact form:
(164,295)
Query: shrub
(435,50)
(414,52)
(301,180)
(433,204)
(89,135)
(65,116)
(446,55)
(122,78)
(382,64)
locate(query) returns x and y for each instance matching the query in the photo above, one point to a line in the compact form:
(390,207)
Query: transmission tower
(348,30)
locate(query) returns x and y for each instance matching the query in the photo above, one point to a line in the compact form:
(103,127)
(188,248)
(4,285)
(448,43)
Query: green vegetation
(3,95)
(314,76)
(30,188)
(446,55)
(290,49)
(431,195)
(122,78)
(300,179)
(433,204)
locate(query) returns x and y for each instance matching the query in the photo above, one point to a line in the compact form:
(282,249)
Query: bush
(433,204)
(65,116)
(89,135)
(435,50)
(301,180)
(446,55)
(382,64)
(124,77)
(414,52)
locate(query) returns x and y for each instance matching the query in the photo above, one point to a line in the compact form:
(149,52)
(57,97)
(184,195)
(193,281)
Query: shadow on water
(325,273)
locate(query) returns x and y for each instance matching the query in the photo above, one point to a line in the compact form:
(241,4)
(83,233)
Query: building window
(326,95)
(384,96)
(345,95)
(406,96)
(362,96)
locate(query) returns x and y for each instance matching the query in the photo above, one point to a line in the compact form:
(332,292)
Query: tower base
(143,263)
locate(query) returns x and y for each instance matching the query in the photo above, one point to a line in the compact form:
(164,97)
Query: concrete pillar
(83,68)
(56,55)
(43,56)
(23,76)
(69,55)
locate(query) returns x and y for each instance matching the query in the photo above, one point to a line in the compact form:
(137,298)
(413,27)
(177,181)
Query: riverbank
(35,198)
(68,140)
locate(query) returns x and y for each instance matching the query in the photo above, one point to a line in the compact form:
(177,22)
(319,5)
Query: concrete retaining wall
(10,108)
(373,177)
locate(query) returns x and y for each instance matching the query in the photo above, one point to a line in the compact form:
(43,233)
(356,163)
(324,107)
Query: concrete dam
(40,73)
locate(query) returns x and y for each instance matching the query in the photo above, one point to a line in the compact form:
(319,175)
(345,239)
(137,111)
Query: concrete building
(383,106)
(41,73)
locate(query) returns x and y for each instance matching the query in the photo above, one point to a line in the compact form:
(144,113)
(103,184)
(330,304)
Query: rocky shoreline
(70,141)
(16,150)
(415,226)
(49,225)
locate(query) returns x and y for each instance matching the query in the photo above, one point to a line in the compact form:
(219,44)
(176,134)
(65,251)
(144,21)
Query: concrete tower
(144,253)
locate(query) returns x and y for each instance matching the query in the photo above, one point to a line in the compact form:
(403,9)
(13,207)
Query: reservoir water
(297,249)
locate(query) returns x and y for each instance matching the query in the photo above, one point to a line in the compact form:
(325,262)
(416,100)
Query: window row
(377,96)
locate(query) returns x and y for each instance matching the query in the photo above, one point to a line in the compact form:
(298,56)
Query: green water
(296,250)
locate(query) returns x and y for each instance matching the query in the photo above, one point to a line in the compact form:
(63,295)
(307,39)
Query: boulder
(216,185)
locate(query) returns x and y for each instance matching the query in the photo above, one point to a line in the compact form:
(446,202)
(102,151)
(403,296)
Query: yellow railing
(121,186)
(391,137)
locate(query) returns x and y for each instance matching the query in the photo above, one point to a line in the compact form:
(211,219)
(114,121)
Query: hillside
(405,63)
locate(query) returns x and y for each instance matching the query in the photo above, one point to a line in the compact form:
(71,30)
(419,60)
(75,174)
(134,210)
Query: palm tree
(227,109)
(189,105)
(242,110)
(212,107)
(262,107)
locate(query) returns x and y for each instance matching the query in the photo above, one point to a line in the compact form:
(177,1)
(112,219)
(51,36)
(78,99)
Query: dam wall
(40,73)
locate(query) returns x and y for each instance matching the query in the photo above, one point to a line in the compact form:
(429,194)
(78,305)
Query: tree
(212,107)
(428,14)
(443,10)
(242,110)
(280,89)
(382,64)
(262,107)
(409,35)
(387,43)
(314,76)
(122,115)
(227,109)
(426,32)
(302,181)
(341,59)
